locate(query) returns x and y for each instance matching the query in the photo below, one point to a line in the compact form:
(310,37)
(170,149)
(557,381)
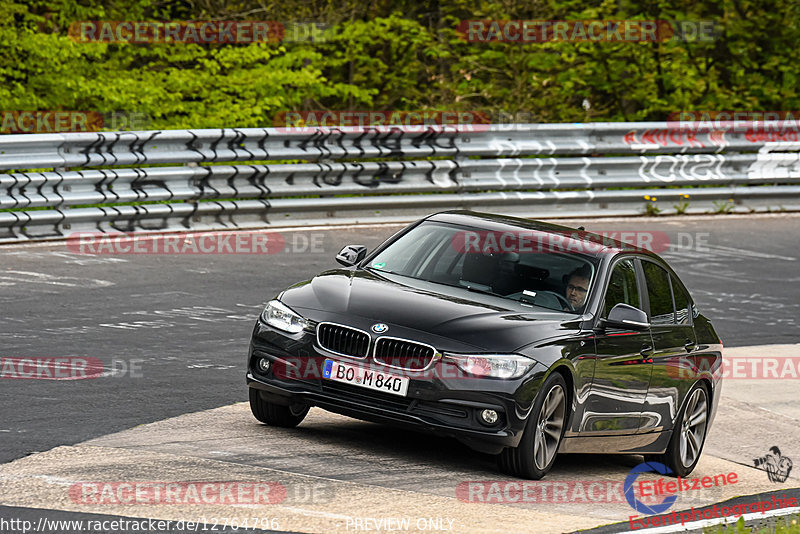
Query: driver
(577,288)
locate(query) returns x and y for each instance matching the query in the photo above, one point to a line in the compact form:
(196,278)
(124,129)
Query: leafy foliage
(399,55)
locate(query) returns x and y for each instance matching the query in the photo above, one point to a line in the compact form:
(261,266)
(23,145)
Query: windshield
(523,266)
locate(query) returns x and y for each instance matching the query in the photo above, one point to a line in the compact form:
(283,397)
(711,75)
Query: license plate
(365,378)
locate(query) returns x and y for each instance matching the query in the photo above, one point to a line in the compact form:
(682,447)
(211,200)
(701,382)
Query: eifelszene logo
(652,489)
(636,504)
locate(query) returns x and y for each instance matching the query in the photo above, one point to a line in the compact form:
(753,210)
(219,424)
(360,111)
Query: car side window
(622,287)
(662,311)
(682,303)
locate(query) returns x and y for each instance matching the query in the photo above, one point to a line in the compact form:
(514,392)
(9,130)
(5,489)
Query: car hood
(482,321)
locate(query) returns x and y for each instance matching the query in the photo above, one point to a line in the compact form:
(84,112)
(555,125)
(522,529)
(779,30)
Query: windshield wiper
(459,286)
(470,288)
(387,271)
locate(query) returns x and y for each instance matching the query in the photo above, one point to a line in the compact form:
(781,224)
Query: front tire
(544,429)
(689,434)
(275,414)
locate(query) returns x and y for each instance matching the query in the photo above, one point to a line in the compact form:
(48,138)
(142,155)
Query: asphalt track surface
(172,332)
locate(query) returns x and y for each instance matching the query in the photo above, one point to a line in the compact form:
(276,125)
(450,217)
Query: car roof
(500,223)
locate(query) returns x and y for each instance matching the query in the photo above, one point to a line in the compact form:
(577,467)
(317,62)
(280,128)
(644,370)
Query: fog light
(489,416)
(263,365)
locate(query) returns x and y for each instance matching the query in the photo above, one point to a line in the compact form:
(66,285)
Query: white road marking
(721,250)
(59,481)
(69,257)
(50,279)
(36,278)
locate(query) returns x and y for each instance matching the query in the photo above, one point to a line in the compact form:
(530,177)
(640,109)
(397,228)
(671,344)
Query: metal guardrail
(179,179)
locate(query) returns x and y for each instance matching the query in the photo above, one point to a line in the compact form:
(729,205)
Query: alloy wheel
(693,428)
(549,426)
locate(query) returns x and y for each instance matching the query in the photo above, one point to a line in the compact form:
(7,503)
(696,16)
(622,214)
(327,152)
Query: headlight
(491,365)
(279,315)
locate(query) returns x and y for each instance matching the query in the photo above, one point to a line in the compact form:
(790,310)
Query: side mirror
(351,254)
(627,317)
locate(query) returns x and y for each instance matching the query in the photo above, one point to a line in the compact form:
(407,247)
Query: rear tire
(275,414)
(544,429)
(688,435)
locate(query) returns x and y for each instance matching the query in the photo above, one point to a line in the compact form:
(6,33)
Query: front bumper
(441,401)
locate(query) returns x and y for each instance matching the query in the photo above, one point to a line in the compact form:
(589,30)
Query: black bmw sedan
(519,338)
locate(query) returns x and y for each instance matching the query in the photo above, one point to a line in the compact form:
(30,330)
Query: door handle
(689,345)
(646,351)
